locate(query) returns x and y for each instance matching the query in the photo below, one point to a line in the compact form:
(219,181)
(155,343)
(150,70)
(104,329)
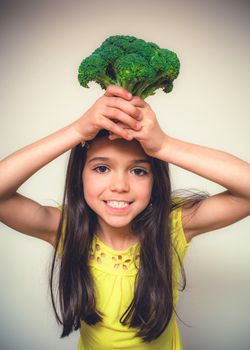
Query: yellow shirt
(114,274)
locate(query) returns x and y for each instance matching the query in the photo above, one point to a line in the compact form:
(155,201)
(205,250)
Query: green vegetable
(140,67)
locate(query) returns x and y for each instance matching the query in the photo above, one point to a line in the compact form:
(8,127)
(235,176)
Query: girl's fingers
(138,102)
(124,106)
(117,114)
(115,129)
(118,91)
(113,136)
(115,90)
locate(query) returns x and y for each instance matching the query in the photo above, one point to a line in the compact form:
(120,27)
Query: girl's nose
(120,183)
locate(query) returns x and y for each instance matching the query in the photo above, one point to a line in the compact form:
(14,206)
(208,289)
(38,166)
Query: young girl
(120,235)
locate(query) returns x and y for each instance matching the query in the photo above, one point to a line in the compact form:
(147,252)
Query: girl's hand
(107,112)
(150,135)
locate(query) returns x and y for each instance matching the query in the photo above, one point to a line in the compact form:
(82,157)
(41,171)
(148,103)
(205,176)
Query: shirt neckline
(112,261)
(128,251)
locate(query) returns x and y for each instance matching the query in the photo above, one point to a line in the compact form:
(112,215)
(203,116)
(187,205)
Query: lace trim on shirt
(121,262)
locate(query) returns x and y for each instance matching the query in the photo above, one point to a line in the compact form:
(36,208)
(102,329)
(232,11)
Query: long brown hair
(152,306)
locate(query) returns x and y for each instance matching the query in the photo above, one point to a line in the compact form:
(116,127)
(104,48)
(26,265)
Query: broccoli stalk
(140,67)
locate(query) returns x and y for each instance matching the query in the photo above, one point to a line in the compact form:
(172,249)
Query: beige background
(42,44)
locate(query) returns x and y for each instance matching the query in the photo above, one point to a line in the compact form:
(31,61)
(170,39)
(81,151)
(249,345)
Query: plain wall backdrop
(42,45)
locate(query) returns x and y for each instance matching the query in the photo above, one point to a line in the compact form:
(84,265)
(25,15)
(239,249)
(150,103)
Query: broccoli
(140,67)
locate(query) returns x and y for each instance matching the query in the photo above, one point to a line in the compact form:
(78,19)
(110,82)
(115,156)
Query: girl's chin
(116,224)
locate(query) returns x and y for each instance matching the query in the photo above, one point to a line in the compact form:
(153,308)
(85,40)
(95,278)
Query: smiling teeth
(116,204)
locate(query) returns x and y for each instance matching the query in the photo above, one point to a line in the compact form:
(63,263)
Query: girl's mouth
(118,205)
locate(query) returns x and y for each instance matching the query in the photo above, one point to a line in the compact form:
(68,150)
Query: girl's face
(117,180)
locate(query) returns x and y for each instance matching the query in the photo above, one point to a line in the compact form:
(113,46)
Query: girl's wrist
(77,131)
(165,149)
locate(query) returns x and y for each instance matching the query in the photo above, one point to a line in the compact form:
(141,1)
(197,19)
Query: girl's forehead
(105,147)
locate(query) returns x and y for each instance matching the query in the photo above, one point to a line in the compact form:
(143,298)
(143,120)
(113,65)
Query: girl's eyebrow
(106,159)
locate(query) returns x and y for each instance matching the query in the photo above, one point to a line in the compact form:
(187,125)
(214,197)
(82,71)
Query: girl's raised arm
(220,167)
(22,213)
(232,173)
(28,216)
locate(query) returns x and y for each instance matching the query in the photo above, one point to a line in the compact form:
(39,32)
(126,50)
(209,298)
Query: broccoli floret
(121,41)
(139,66)
(131,69)
(94,68)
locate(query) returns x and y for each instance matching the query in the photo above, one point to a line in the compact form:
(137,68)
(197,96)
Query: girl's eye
(140,172)
(101,169)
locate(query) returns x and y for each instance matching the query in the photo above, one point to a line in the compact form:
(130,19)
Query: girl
(120,235)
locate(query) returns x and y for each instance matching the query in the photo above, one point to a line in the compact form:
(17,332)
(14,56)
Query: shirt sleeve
(177,233)
(61,242)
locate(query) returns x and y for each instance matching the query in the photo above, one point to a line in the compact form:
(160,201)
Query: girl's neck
(117,238)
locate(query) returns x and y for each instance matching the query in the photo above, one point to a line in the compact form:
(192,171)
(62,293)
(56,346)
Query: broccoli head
(139,66)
